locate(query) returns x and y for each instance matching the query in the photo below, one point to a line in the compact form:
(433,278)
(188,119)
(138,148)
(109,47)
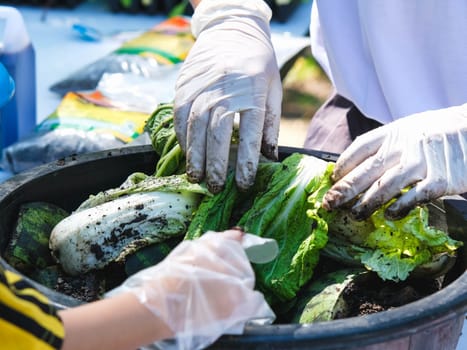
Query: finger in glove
(269,146)
(388,186)
(219,137)
(251,131)
(196,143)
(355,182)
(181,113)
(361,149)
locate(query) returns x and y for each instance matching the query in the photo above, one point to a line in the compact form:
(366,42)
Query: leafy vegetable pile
(137,224)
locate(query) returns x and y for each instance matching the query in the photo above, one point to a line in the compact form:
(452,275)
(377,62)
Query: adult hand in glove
(230,70)
(203,289)
(426,152)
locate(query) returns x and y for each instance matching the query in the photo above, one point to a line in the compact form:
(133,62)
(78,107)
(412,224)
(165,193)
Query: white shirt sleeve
(393,58)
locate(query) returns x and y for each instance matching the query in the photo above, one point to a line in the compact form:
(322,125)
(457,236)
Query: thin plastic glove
(203,289)
(230,70)
(427,151)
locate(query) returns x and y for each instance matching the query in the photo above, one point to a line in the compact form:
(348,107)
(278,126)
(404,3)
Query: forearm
(194,3)
(120,322)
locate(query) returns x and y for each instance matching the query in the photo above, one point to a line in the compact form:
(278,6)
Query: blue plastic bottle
(18,116)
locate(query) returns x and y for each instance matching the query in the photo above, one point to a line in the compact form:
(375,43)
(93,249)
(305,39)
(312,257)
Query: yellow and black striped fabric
(27,319)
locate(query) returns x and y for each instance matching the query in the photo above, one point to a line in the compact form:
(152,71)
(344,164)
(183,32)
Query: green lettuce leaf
(214,212)
(222,210)
(280,212)
(391,248)
(396,247)
(160,126)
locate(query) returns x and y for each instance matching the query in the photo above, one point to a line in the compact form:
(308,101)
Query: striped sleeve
(27,319)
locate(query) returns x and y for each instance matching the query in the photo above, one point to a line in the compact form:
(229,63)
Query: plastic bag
(113,116)
(167,43)
(82,123)
(135,93)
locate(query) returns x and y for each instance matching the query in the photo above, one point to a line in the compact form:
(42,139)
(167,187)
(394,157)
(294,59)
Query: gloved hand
(203,289)
(230,69)
(427,151)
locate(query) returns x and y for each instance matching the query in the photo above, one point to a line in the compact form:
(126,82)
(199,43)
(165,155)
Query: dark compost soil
(376,295)
(367,296)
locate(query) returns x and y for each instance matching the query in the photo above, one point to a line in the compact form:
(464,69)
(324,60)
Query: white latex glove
(201,290)
(427,151)
(230,69)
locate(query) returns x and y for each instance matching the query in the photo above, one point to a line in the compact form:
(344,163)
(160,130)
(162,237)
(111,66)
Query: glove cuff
(211,10)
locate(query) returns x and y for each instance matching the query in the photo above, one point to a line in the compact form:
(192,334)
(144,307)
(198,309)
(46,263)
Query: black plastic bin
(434,322)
